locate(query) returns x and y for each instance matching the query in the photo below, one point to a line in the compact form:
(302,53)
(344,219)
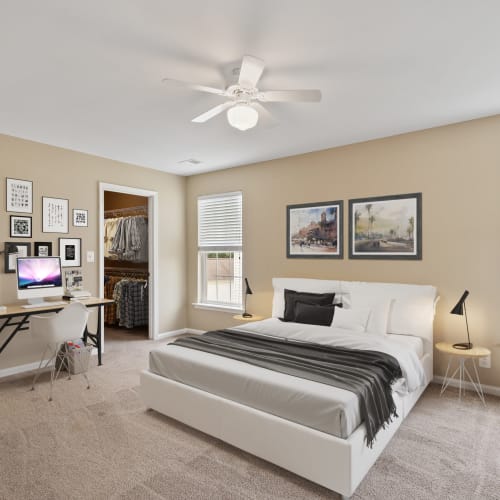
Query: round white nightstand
(254,317)
(462,355)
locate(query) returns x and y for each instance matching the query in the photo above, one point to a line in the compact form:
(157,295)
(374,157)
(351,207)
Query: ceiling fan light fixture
(242,116)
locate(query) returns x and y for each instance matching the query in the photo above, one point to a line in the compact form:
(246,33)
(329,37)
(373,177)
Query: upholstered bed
(307,427)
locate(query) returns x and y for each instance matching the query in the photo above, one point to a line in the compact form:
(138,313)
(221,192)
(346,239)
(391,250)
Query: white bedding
(319,406)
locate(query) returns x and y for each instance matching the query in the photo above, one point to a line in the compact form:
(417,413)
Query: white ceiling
(87,75)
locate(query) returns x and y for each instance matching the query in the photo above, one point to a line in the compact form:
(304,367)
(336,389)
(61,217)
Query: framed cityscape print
(19,196)
(43,249)
(314,230)
(386,227)
(13,250)
(54,215)
(70,251)
(80,217)
(20,226)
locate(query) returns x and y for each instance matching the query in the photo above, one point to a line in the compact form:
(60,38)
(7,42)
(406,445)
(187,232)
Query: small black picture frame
(20,226)
(43,249)
(14,249)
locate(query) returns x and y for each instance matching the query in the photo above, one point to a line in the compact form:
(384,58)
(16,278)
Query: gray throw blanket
(368,374)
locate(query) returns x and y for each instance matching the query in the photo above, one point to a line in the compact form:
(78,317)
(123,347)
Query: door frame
(152,197)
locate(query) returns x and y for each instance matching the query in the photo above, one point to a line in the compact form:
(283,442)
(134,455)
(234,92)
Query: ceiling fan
(244,98)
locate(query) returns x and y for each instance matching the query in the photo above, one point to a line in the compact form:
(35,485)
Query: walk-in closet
(126,276)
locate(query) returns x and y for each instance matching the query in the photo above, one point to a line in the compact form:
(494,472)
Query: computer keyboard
(44,304)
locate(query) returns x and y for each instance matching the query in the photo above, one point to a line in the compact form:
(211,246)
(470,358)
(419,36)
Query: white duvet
(411,366)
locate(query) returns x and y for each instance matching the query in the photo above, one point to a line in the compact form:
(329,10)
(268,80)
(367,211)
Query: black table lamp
(248,291)
(461,310)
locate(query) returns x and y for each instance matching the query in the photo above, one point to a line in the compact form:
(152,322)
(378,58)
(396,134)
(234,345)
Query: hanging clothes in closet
(131,307)
(126,238)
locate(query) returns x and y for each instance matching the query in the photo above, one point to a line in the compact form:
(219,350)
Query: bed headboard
(412,306)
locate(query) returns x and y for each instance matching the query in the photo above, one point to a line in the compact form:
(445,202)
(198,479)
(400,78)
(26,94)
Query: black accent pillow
(292,296)
(314,314)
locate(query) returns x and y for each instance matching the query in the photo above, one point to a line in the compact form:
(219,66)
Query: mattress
(328,409)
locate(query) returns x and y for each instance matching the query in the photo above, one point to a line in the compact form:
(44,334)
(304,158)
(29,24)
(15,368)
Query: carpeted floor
(102,444)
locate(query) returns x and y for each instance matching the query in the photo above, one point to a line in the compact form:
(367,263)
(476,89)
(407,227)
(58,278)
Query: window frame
(202,257)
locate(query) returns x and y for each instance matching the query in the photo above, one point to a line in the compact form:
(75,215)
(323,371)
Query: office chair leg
(40,368)
(54,374)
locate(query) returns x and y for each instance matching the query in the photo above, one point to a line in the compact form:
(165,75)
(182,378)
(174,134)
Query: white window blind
(220,222)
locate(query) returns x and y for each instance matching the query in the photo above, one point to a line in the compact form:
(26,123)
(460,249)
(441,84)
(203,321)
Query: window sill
(217,307)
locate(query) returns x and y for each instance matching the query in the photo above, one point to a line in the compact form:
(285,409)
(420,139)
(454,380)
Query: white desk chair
(53,330)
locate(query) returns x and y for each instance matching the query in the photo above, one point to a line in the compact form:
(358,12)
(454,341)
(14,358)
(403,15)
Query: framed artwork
(20,226)
(54,215)
(386,227)
(19,196)
(43,249)
(70,251)
(80,217)
(314,230)
(13,250)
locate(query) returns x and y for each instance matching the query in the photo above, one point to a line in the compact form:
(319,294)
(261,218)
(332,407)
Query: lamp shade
(459,307)
(248,290)
(242,116)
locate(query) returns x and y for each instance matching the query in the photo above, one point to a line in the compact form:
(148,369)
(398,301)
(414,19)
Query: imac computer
(37,278)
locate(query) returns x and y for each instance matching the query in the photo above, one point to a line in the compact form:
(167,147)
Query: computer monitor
(38,277)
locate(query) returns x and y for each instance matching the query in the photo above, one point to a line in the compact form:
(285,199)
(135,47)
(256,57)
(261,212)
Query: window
(220,250)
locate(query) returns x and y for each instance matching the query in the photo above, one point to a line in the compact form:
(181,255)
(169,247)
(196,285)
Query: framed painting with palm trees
(386,227)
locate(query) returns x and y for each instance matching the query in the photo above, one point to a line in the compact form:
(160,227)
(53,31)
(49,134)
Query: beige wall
(61,173)
(457,168)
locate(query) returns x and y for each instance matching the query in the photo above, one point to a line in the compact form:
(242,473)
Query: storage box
(75,357)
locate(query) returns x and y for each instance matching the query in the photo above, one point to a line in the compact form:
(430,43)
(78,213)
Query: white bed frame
(338,464)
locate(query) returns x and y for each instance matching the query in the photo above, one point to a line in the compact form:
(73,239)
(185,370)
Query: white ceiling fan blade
(266,119)
(250,72)
(290,96)
(212,112)
(194,86)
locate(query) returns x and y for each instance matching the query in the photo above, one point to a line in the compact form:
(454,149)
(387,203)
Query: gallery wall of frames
(53,215)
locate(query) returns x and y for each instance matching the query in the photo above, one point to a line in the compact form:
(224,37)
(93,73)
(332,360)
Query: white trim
(488,389)
(153,249)
(217,307)
(174,333)
(15,370)
(219,195)
(195,332)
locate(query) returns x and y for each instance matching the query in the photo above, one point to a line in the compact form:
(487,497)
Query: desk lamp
(461,310)
(248,291)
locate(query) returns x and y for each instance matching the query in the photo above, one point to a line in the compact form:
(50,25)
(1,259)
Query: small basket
(74,357)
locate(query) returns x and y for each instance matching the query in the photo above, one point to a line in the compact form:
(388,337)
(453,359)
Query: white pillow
(351,319)
(379,307)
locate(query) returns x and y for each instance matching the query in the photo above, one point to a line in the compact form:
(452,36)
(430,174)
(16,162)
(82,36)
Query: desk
(18,317)
(462,355)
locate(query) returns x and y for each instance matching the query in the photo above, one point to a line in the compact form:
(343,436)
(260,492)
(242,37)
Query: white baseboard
(14,370)
(174,333)
(487,389)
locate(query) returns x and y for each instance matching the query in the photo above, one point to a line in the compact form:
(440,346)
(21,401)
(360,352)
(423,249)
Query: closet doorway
(128,258)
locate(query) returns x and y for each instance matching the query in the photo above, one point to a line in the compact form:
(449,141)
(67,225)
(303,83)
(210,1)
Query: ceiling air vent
(190,161)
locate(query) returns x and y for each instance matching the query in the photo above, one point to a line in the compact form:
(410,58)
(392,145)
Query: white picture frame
(80,217)
(19,196)
(54,215)
(70,252)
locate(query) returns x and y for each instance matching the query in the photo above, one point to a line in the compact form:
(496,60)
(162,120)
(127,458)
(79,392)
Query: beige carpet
(101,443)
